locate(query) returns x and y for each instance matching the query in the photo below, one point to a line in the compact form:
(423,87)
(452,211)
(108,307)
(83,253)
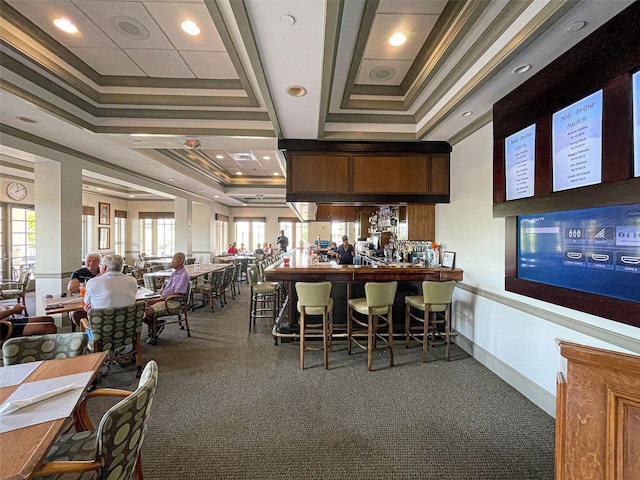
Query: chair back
(43,347)
(380,294)
(23,280)
(116,327)
(229,272)
(313,294)
(123,427)
(157,268)
(252,276)
(438,294)
(149,281)
(190,261)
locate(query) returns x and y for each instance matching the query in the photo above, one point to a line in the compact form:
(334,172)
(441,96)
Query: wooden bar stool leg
(349,329)
(425,337)
(325,338)
(390,324)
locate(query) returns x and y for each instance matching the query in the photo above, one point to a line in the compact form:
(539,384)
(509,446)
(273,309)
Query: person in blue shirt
(346,252)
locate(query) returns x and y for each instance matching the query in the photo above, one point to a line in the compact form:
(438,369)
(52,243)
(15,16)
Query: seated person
(178,283)
(17,327)
(332,251)
(259,250)
(111,288)
(232,250)
(90,270)
(242,250)
(268,248)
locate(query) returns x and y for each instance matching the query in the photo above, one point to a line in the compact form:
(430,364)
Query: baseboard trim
(623,341)
(539,396)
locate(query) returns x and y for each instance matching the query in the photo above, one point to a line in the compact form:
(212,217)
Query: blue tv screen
(594,250)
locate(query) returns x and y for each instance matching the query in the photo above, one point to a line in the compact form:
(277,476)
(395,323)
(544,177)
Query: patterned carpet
(232,405)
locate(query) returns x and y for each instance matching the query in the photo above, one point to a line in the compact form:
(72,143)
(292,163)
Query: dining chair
(117,330)
(16,289)
(43,347)
(175,305)
(377,305)
(263,302)
(113,449)
(435,305)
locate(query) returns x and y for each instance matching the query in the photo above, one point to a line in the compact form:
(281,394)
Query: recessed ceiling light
(171,179)
(296,91)
(276,174)
(466,114)
(219,157)
(575,26)
(132,196)
(266,157)
(522,69)
(238,173)
(27,120)
(397,39)
(65,25)
(216,196)
(99,189)
(190,27)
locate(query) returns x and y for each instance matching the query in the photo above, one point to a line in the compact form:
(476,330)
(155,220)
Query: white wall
(511,334)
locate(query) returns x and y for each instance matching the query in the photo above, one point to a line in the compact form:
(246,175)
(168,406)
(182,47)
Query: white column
(183,214)
(58,199)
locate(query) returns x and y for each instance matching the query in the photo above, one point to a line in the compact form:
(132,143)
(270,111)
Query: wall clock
(16,191)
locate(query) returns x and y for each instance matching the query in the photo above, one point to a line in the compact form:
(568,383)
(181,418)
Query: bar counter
(348,282)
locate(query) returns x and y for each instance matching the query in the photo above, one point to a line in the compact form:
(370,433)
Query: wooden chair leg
(390,339)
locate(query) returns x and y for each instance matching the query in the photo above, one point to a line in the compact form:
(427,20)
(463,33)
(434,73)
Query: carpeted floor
(231,405)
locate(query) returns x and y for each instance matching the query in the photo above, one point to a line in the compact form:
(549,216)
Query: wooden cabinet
(361,174)
(421,222)
(336,213)
(597,415)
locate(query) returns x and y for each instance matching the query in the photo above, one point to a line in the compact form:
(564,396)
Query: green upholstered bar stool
(435,305)
(377,305)
(263,302)
(314,299)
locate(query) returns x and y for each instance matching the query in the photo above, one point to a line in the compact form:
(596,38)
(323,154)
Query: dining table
(27,434)
(59,304)
(195,270)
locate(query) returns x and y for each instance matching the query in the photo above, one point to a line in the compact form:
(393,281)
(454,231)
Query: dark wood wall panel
(390,174)
(439,175)
(319,173)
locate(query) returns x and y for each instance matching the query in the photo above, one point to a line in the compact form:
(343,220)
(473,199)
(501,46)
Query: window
(120,236)
(23,240)
(157,236)
(338,229)
(302,232)
(87,235)
(250,232)
(222,234)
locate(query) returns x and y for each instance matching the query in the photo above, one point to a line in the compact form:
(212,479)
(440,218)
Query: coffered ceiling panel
(202,114)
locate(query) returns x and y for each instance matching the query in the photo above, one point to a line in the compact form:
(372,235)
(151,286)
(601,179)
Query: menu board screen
(520,157)
(636,124)
(577,144)
(595,250)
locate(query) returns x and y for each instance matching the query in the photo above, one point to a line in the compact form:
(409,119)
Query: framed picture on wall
(104,212)
(104,238)
(449,259)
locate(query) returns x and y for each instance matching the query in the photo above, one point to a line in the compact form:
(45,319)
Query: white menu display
(520,162)
(636,124)
(577,144)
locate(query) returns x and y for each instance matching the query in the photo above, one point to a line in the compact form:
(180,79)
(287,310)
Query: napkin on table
(10,407)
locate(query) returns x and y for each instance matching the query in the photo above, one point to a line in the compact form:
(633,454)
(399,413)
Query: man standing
(346,252)
(90,270)
(282,241)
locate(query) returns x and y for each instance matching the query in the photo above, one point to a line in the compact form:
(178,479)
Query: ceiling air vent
(244,157)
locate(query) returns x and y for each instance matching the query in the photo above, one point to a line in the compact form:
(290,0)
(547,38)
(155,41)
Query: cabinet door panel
(390,174)
(318,173)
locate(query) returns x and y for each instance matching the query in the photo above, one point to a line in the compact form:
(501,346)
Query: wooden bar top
(301,268)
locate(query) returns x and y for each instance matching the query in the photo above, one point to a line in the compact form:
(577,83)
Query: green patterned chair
(115,328)
(17,290)
(176,305)
(113,450)
(43,347)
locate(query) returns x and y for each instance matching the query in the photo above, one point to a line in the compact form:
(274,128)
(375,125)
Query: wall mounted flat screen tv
(520,163)
(636,124)
(577,144)
(594,250)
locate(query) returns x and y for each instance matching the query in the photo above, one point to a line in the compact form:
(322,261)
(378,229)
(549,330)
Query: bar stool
(377,304)
(263,298)
(315,299)
(435,305)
